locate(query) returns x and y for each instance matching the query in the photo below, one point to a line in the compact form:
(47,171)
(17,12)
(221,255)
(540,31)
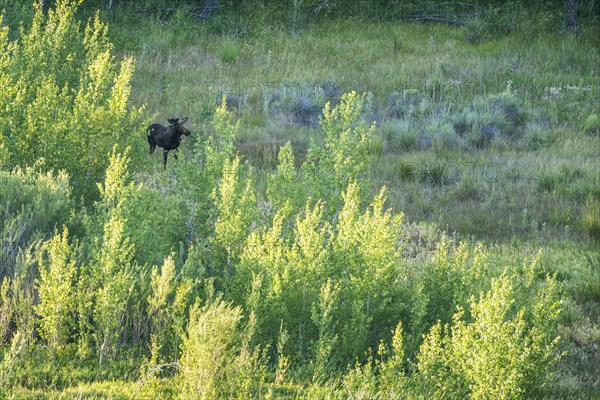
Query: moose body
(167,137)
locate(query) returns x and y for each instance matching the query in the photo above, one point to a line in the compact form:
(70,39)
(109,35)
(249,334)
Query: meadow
(364,209)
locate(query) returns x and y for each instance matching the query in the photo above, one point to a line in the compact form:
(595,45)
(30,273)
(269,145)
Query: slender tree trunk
(209,7)
(572,15)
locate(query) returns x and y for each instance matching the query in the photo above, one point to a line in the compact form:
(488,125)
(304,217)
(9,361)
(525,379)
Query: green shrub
(66,95)
(155,223)
(498,117)
(166,311)
(113,266)
(591,126)
(345,157)
(400,136)
(228,51)
(284,184)
(56,285)
(216,358)
(506,350)
(32,204)
(442,137)
(591,217)
(535,136)
(323,314)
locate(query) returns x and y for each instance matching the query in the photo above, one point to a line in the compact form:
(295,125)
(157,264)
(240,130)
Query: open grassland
(419,78)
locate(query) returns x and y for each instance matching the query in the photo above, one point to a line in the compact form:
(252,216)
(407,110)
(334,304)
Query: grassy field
(493,141)
(420,78)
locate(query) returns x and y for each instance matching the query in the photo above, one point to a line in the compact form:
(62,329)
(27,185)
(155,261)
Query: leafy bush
(217,360)
(301,102)
(56,285)
(505,351)
(328,171)
(33,204)
(591,126)
(156,223)
(228,51)
(166,310)
(66,96)
(494,118)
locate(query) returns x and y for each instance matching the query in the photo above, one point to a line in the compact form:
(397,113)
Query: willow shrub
(216,358)
(504,350)
(33,203)
(63,96)
(56,286)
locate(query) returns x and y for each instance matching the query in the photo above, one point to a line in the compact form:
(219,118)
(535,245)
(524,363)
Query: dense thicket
(65,97)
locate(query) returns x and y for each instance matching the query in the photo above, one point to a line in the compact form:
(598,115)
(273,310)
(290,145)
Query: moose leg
(152,147)
(166,152)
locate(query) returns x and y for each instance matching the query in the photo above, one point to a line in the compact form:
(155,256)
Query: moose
(167,137)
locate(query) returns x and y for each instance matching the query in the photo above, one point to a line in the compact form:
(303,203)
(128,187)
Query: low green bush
(591,126)
(228,51)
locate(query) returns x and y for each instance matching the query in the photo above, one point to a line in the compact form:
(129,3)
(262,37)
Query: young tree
(56,290)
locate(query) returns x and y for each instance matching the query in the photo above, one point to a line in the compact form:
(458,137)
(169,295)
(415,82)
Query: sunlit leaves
(64,96)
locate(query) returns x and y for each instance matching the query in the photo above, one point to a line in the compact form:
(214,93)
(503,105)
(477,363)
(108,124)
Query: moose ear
(183,121)
(172,120)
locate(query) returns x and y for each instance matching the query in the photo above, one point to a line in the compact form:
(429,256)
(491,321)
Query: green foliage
(113,266)
(344,158)
(58,272)
(156,222)
(166,309)
(6,309)
(322,316)
(235,204)
(33,204)
(283,185)
(400,136)
(216,360)
(495,118)
(591,126)
(382,377)
(591,217)
(228,51)
(66,96)
(13,359)
(303,278)
(503,352)
(219,147)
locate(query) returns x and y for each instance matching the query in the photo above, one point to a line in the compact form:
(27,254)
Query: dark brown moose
(167,137)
